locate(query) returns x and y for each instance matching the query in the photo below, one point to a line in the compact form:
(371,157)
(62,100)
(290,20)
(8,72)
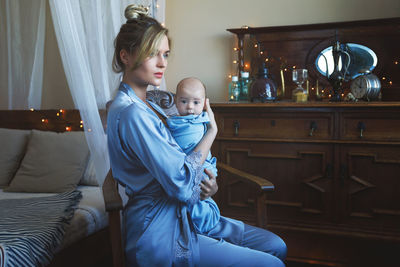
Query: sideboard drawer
(378,127)
(276,126)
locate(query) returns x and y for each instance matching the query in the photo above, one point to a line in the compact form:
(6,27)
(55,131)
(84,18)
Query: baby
(188,128)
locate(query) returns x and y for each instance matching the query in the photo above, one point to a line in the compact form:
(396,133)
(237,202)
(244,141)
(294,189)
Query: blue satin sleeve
(147,137)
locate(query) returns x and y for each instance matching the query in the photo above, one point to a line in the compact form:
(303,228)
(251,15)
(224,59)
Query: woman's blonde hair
(140,35)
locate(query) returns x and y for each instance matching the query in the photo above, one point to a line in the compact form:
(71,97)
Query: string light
(396,62)
(31,109)
(235,62)
(383,78)
(235,49)
(61,110)
(256,45)
(68,128)
(390,82)
(58,114)
(230,76)
(294,67)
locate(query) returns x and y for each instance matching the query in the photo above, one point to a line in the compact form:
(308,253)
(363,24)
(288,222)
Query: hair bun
(135,11)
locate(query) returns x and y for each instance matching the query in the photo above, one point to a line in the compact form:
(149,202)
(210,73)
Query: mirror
(362,58)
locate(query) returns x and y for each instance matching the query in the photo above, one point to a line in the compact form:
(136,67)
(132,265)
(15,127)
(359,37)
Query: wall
(202,47)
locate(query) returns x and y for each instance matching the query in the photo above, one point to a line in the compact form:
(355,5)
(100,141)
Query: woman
(162,182)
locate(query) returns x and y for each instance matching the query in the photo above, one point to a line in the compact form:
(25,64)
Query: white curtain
(22,33)
(85,31)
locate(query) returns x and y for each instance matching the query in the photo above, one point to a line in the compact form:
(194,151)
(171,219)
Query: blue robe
(161,182)
(188,131)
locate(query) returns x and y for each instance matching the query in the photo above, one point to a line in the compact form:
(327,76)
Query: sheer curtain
(22,33)
(85,31)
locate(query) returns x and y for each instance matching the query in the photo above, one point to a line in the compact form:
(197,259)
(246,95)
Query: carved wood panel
(371,187)
(301,173)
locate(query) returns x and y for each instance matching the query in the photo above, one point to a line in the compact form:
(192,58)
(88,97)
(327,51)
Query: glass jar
(263,88)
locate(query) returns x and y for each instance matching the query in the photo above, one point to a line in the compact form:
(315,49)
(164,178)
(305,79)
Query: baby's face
(190,99)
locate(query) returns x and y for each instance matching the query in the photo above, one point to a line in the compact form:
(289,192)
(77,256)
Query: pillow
(54,162)
(12,149)
(89,176)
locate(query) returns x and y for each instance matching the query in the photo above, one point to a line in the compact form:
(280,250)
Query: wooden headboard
(299,46)
(45,120)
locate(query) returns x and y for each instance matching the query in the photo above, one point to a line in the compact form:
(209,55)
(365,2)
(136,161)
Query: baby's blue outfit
(188,131)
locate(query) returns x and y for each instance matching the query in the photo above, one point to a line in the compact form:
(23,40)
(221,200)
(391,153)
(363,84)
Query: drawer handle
(313,127)
(361,128)
(236,125)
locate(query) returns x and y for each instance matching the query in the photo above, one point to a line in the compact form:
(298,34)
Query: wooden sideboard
(336,171)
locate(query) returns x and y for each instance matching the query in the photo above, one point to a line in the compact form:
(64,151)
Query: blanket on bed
(31,229)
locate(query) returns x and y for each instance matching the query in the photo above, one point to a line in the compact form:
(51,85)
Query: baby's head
(190,96)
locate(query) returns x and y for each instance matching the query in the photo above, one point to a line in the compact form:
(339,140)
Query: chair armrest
(112,199)
(261,183)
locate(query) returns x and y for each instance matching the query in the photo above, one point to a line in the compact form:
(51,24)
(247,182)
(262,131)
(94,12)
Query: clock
(366,86)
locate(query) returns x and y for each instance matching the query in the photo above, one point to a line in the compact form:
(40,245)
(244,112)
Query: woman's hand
(208,187)
(212,124)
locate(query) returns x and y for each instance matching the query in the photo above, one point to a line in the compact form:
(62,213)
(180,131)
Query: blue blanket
(31,229)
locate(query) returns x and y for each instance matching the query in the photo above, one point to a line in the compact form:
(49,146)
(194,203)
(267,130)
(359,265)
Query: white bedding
(89,217)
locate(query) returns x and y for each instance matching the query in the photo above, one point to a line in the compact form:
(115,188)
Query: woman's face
(151,71)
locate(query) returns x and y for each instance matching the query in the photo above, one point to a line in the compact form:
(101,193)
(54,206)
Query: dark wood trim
(317,26)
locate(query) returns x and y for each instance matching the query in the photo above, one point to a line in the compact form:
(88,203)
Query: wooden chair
(113,200)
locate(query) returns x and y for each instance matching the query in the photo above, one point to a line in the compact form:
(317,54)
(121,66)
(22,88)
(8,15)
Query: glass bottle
(244,86)
(263,88)
(234,89)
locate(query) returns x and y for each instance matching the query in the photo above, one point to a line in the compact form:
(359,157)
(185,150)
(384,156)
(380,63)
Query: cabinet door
(301,173)
(370,188)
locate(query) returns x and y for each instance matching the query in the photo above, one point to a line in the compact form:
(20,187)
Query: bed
(45,167)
